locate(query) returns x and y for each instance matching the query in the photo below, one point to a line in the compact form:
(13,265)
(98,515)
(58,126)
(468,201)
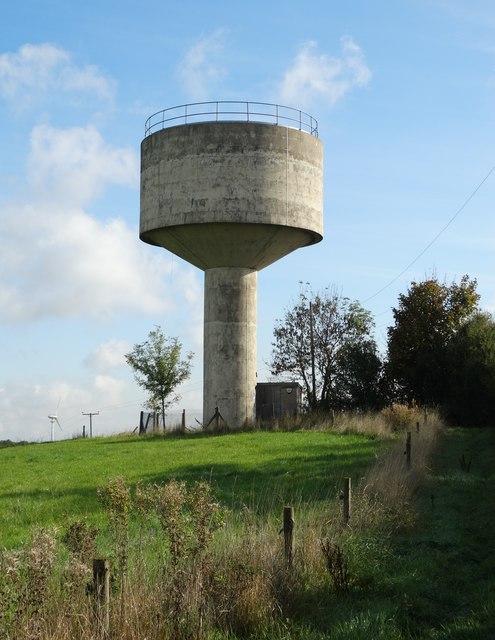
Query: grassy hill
(41,484)
(415,561)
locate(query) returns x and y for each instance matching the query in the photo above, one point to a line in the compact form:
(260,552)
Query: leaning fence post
(408,450)
(346,500)
(101,592)
(289,542)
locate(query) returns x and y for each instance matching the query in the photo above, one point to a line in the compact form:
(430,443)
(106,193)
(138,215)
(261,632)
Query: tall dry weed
(244,578)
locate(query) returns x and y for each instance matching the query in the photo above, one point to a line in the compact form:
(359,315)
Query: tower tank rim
(231,111)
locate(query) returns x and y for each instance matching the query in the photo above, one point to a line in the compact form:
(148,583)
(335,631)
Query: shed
(278,399)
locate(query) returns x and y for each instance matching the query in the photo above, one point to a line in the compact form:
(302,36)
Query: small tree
(324,341)
(159,369)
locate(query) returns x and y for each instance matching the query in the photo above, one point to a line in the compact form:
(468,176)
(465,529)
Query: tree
(159,369)
(471,397)
(359,377)
(426,319)
(317,342)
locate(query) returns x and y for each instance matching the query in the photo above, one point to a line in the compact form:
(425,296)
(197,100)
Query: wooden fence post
(289,542)
(408,450)
(346,500)
(183,421)
(101,592)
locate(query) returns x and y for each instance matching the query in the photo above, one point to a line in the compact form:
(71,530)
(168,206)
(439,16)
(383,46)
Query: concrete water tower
(231,187)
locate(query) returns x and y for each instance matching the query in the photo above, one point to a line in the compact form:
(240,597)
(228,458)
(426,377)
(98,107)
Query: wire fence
(151,421)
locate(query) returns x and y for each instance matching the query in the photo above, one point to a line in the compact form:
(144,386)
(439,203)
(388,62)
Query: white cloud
(110,389)
(36,73)
(58,260)
(316,75)
(108,355)
(66,263)
(75,164)
(202,67)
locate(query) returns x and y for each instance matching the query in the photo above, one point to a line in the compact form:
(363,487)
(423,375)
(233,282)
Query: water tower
(231,187)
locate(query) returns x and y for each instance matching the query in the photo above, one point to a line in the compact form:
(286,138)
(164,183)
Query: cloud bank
(59,259)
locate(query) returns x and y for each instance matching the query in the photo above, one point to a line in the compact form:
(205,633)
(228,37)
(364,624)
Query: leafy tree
(471,398)
(359,380)
(159,369)
(325,342)
(426,319)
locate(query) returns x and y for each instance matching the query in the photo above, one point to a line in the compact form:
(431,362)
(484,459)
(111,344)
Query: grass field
(418,550)
(41,484)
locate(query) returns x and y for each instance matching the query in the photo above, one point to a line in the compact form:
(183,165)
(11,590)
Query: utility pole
(91,414)
(312,347)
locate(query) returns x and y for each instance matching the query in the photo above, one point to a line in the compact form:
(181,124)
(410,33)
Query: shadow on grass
(294,473)
(444,572)
(305,478)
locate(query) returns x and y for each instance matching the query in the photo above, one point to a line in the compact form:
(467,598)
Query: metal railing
(231,111)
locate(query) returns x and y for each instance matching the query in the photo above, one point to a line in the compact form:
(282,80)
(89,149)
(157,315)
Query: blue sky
(404,93)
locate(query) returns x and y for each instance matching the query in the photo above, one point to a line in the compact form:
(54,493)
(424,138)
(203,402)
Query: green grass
(445,568)
(434,580)
(41,484)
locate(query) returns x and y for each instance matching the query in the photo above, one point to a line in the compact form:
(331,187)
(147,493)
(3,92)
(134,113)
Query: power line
(435,238)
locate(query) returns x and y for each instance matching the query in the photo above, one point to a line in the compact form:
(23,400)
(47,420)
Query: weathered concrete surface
(200,181)
(230,344)
(231,198)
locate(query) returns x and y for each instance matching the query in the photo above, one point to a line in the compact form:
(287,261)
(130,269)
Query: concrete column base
(230,345)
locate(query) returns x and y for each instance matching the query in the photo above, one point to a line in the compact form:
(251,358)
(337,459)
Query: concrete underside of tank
(229,244)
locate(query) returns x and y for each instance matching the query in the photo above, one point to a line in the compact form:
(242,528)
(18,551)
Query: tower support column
(230,344)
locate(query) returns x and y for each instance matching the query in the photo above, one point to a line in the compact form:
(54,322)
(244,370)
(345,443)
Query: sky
(404,94)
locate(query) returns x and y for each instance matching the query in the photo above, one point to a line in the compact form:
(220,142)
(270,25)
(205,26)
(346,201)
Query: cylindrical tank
(231,197)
